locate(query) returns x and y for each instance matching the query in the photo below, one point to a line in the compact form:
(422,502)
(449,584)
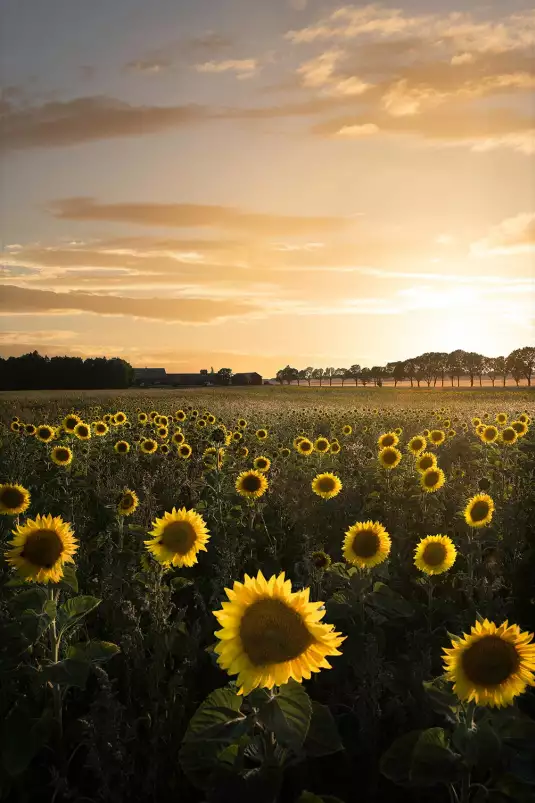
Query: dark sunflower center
(417,445)
(44,432)
(431,478)
(320,560)
(11,498)
(326,484)
(101,428)
(127,501)
(480,510)
(261,463)
(43,548)
(434,554)
(436,436)
(82,430)
(390,457)
(272,633)
(321,445)
(426,463)
(178,537)
(184,450)
(305,447)
(70,423)
(490,661)
(508,434)
(365,544)
(251,483)
(62,454)
(121,447)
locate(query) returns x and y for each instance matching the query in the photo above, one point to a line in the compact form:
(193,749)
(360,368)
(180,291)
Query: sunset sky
(251,183)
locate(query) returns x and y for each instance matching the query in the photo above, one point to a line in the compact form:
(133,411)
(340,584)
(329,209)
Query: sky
(246,184)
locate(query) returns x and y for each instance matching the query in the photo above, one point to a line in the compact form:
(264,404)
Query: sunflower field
(267,595)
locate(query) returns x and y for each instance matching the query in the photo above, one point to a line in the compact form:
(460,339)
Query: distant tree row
(431,368)
(33,371)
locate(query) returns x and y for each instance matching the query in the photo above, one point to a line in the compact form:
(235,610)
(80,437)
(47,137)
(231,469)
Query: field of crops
(152,652)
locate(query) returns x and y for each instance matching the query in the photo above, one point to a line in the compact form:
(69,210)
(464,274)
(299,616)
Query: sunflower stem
(55,639)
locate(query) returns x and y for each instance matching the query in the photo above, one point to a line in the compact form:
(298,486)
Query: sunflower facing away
(426,460)
(128,503)
(366,544)
(61,455)
(262,463)
(387,439)
(41,547)
(148,446)
(251,484)
(389,457)
(270,633)
(479,510)
(508,436)
(491,665)
(178,537)
(326,485)
(417,444)
(435,554)
(14,499)
(432,479)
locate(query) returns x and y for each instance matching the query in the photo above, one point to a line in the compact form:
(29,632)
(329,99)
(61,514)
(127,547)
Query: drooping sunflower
(321,445)
(61,455)
(432,479)
(262,463)
(489,434)
(184,451)
(45,433)
(148,446)
(520,428)
(417,444)
(425,460)
(437,437)
(326,485)
(41,547)
(390,457)
(251,484)
(387,439)
(219,435)
(508,436)
(100,428)
(14,499)
(435,554)
(501,418)
(305,447)
(261,434)
(70,421)
(128,503)
(321,559)
(122,447)
(491,665)
(178,537)
(271,634)
(479,510)
(177,438)
(366,544)
(82,431)
(347,430)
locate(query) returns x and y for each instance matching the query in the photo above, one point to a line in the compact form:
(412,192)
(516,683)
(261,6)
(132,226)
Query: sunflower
(426,433)
(437,437)
(184,451)
(242,423)
(366,544)
(347,429)
(128,503)
(501,419)
(41,547)
(153,414)
(508,436)
(520,428)
(14,499)
(119,418)
(82,431)
(142,418)
(489,434)
(261,434)
(148,446)
(432,479)
(262,463)
(417,444)
(177,438)
(29,429)
(201,423)
(165,448)
(335,447)
(524,417)
(69,422)
(479,510)
(45,434)
(163,421)
(180,415)
(122,447)
(107,418)
(476,421)
(321,559)
(398,430)
(435,554)
(100,428)
(297,440)
(426,460)
(389,457)
(243,452)
(484,484)
(387,439)
(251,484)
(237,437)
(305,447)
(480,429)
(451,433)
(491,665)
(177,538)
(271,634)
(61,455)
(285,452)
(14,426)
(485,416)
(321,445)
(219,435)
(326,485)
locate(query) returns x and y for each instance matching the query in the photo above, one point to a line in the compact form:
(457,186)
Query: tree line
(35,372)
(431,368)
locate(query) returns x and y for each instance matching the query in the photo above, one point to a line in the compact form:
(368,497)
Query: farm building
(159,376)
(247,378)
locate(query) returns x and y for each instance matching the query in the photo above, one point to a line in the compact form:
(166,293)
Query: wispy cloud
(515,235)
(242,68)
